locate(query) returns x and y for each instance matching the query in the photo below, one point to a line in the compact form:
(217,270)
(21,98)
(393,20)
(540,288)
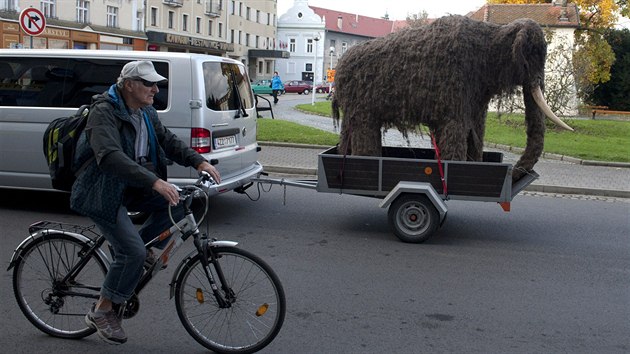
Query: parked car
(298,86)
(262,87)
(323,88)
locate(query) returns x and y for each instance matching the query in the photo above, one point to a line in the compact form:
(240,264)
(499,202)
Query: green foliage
(616,93)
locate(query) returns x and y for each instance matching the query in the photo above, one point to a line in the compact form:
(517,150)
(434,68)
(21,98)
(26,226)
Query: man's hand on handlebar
(167,190)
(207,167)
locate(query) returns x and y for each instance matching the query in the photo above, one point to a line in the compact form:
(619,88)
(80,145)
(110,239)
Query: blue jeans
(128,243)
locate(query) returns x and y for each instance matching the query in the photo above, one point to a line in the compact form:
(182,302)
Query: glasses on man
(146,83)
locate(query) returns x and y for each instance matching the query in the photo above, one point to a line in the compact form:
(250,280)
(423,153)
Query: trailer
(414,184)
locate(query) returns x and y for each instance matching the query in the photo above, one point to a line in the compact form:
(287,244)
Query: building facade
(317,38)
(77,24)
(243,30)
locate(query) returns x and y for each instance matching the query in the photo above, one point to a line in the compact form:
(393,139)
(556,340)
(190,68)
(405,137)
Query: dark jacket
(109,136)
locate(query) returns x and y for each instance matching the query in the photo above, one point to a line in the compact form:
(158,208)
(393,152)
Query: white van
(207,102)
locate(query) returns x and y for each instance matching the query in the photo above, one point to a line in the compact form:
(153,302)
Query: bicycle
(228,299)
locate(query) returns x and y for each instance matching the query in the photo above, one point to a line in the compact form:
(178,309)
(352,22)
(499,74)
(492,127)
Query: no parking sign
(32,21)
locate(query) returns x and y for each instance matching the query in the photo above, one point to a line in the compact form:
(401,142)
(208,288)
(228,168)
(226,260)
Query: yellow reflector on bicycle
(200,298)
(262,309)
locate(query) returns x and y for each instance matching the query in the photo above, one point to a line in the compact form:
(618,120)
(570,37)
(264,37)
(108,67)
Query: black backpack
(60,141)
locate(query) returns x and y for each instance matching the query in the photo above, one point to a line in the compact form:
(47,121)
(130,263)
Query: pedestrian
(128,173)
(276,86)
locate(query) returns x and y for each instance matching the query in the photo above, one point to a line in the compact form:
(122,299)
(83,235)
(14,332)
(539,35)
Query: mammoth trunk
(535,122)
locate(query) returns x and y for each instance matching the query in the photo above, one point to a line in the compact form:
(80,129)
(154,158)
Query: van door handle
(195,104)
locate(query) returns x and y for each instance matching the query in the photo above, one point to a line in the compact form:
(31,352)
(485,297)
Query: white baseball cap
(141,69)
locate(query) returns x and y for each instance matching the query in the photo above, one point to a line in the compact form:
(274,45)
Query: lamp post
(332,51)
(316,39)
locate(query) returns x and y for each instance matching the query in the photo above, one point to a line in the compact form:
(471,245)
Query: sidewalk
(558,174)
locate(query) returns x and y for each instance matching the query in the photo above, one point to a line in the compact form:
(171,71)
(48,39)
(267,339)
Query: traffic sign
(32,21)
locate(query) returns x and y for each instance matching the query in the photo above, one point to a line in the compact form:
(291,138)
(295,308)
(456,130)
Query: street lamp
(316,39)
(332,51)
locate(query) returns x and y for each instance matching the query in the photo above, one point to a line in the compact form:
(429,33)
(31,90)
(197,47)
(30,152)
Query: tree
(615,93)
(419,19)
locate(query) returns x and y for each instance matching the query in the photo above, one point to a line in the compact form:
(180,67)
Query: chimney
(563,12)
(339,22)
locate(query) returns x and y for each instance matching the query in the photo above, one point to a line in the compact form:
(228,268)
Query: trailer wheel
(413,217)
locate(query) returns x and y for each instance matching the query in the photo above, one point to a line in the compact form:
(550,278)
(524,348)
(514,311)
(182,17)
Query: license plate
(224,141)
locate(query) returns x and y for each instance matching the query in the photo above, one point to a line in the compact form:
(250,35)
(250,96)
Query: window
(220,34)
(48,8)
(247,37)
(240,9)
(232,36)
(171,19)
(232,7)
(210,27)
(247,13)
(10,5)
(112,16)
(344,47)
(257,40)
(292,45)
(260,67)
(185,22)
(268,19)
(257,16)
(228,91)
(198,25)
(154,14)
(83,14)
(309,67)
(62,82)
(309,45)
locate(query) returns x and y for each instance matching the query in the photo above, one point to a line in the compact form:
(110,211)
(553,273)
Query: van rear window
(64,82)
(227,87)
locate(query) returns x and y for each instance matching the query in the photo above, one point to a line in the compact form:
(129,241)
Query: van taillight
(200,140)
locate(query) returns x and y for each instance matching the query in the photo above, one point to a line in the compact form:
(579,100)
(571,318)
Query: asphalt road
(551,276)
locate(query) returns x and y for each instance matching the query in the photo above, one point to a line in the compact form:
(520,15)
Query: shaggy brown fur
(442,75)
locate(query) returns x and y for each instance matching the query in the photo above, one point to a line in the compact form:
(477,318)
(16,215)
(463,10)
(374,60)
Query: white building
(301,32)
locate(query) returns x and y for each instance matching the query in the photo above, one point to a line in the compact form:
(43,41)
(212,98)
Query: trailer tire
(413,218)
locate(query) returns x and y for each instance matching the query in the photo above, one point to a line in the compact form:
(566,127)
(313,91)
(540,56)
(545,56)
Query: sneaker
(107,326)
(151,259)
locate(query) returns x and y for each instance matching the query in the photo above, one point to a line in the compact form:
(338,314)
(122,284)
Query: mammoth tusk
(540,101)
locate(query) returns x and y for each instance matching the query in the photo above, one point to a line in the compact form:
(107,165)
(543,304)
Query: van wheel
(413,218)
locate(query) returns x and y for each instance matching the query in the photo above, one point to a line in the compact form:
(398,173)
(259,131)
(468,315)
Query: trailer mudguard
(416,188)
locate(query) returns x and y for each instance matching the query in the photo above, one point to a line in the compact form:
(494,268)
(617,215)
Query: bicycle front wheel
(54,305)
(256,302)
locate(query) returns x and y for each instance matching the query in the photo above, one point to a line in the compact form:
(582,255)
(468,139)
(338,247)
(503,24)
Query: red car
(298,86)
(323,88)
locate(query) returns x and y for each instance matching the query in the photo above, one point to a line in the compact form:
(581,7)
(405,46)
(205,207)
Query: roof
(355,24)
(544,14)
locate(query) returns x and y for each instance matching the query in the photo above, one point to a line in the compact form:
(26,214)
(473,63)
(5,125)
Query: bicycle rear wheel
(257,302)
(55,307)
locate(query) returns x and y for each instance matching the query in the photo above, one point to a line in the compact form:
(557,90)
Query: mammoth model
(442,75)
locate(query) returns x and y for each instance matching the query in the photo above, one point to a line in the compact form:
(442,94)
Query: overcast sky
(397,9)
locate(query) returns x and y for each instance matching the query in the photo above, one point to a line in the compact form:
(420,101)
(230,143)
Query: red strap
(437,154)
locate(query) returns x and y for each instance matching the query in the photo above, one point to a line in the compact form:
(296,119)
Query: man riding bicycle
(128,173)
